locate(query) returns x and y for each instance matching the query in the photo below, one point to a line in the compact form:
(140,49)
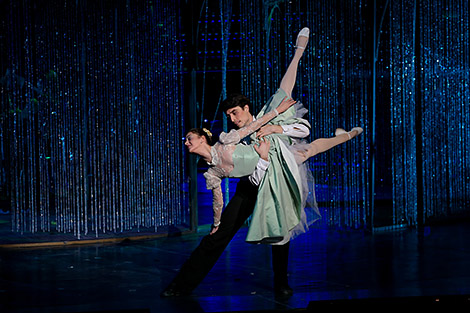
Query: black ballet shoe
(283,290)
(173,291)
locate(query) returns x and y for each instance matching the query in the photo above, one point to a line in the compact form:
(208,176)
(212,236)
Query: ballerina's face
(193,141)
(240,116)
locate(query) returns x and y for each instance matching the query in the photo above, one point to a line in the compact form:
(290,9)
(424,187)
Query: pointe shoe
(340,131)
(303,33)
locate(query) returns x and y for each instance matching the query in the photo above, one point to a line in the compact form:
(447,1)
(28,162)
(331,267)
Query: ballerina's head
(198,139)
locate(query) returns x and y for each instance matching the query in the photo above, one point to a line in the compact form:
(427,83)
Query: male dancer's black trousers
(204,257)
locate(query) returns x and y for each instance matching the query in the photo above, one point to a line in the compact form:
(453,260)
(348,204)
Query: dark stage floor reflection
(324,265)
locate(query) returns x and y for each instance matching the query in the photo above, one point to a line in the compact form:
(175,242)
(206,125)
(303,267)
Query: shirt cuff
(263,164)
(295,130)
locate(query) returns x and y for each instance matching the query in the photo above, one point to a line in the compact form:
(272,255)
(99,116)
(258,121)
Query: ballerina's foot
(351,134)
(302,38)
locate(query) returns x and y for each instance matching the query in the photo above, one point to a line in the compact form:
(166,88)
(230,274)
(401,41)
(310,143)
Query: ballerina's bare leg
(289,78)
(288,83)
(324,144)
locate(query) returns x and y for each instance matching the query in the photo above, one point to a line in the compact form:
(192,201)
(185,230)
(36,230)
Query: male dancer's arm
(292,130)
(263,163)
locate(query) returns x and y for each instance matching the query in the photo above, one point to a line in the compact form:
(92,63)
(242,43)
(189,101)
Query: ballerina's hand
(214,229)
(285,104)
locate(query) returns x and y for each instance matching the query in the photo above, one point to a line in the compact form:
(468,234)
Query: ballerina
(229,158)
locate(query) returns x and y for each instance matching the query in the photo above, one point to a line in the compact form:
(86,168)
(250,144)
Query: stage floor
(324,265)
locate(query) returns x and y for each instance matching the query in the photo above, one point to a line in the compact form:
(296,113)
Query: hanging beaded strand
(119,169)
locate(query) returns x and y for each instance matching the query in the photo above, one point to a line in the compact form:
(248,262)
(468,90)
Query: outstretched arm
(217,204)
(213,182)
(255,125)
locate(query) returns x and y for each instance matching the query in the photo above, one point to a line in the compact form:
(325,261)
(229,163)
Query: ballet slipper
(303,33)
(340,131)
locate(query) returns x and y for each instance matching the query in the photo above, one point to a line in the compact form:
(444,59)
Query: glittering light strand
(96,141)
(444,104)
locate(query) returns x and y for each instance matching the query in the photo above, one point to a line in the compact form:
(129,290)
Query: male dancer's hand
(262,148)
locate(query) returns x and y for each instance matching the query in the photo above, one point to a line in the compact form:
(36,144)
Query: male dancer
(242,204)
(239,208)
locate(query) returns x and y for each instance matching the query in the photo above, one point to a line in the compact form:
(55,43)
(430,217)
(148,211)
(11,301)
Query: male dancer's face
(240,116)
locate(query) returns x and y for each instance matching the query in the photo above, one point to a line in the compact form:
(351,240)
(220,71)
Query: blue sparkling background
(96,97)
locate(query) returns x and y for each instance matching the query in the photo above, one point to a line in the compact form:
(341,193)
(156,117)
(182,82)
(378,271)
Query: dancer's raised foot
(351,134)
(302,38)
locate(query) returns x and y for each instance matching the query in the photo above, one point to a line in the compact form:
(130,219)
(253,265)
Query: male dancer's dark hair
(235,99)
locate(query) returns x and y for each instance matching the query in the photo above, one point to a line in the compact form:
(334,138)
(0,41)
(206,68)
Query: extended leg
(289,78)
(324,144)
